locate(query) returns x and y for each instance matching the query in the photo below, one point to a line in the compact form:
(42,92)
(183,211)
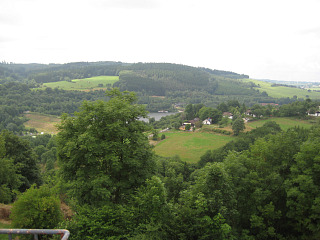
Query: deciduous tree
(102,150)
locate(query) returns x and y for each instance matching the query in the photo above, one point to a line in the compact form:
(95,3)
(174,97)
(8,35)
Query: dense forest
(101,170)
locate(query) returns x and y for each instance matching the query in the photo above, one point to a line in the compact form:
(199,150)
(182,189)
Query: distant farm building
(228,115)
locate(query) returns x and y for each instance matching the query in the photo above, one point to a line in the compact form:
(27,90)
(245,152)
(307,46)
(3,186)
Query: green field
(280,91)
(285,123)
(84,84)
(190,146)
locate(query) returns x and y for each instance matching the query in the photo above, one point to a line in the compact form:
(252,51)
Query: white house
(316,114)
(207,121)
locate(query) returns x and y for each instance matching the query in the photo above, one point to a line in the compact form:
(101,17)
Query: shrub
(37,209)
(163,137)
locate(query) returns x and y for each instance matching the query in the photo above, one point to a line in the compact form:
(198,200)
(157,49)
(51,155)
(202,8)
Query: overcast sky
(271,39)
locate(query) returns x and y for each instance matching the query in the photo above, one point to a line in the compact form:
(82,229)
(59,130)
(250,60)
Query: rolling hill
(160,86)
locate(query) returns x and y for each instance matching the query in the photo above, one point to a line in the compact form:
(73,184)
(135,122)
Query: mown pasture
(284,122)
(93,83)
(189,146)
(281,91)
(42,123)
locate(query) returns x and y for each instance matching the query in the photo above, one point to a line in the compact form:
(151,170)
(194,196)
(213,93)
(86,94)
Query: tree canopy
(102,150)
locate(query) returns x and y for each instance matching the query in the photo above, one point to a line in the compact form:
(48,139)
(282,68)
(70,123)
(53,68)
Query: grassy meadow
(84,84)
(284,122)
(190,146)
(42,123)
(281,91)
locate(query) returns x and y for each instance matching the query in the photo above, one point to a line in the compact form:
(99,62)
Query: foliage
(155,135)
(238,126)
(175,175)
(10,119)
(240,144)
(170,121)
(105,143)
(106,222)
(23,157)
(303,189)
(207,112)
(9,180)
(36,208)
(201,211)
(18,97)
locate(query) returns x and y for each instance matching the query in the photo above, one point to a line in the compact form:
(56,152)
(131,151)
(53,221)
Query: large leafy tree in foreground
(19,152)
(103,153)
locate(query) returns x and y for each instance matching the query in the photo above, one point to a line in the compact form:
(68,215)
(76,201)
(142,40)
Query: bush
(163,137)
(37,209)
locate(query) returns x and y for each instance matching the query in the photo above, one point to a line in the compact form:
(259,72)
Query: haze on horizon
(271,39)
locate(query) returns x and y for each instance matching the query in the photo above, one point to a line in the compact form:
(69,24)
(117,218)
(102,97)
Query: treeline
(226,74)
(69,73)
(43,73)
(10,119)
(50,101)
(25,161)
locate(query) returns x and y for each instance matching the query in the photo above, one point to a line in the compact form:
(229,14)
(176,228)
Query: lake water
(157,116)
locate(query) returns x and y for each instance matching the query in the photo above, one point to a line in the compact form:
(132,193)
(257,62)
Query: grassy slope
(84,84)
(190,146)
(42,123)
(285,123)
(278,92)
